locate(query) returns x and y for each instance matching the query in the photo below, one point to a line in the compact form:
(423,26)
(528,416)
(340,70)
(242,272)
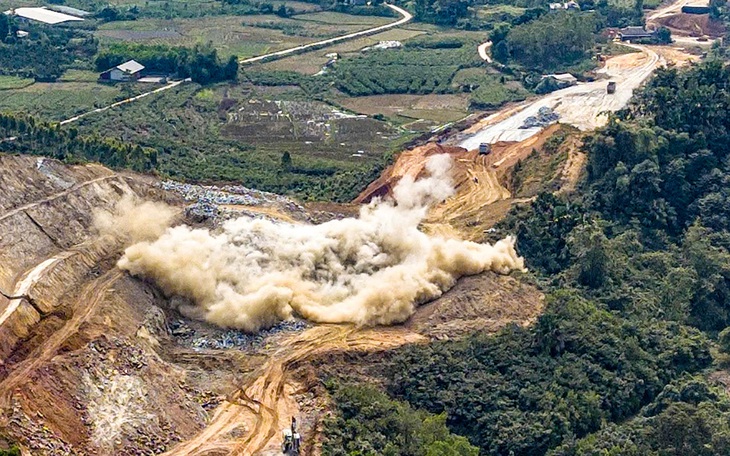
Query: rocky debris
(211,202)
(36,436)
(222,339)
(156,322)
(545,116)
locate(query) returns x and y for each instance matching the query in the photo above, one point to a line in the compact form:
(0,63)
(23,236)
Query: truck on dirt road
(611,87)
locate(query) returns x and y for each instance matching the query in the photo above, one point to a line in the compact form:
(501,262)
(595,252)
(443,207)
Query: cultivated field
(244,36)
(61,100)
(414,112)
(14,82)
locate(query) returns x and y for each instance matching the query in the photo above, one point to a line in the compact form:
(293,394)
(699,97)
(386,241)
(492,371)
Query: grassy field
(312,62)
(61,100)
(14,82)
(415,112)
(236,35)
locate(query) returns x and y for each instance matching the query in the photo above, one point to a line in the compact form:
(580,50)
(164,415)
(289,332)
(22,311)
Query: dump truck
(611,87)
(291,439)
(484,149)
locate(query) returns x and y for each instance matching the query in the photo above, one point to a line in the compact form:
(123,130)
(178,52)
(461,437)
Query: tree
(588,245)
(4,26)
(286,161)
(664,35)
(454,446)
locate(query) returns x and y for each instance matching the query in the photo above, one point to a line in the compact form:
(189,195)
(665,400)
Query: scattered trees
(36,137)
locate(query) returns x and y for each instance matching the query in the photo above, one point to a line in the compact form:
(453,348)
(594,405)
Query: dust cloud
(374,269)
(133,220)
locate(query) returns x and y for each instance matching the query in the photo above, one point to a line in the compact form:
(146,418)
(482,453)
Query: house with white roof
(42,14)
(127,71)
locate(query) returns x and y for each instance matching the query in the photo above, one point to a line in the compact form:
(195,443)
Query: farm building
(634,33)
(127,71)
(696,8)
(42,14)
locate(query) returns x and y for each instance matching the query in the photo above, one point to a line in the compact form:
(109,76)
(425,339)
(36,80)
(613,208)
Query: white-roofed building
(127,71)
(43,15)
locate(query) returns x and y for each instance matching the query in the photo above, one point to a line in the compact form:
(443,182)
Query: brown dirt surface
(478,179)
(693,25)
(485,302)
(90,366)
(676,56)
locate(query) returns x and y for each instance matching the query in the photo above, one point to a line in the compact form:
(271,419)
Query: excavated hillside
(482,195)
(96,362)
(697,25)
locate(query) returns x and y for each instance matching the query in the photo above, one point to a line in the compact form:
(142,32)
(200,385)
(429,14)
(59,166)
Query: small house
(634,33)
(127,71)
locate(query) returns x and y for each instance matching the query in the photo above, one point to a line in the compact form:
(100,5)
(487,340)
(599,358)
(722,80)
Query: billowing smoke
(374,269)
(134,220)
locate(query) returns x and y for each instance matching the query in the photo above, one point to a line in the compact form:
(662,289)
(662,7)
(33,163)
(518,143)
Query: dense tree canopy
(553,41)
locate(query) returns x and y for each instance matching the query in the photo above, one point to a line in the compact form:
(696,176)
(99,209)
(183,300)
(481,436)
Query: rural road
(405,19)
(482,49)
(582,105)
(668,10)
(128,100)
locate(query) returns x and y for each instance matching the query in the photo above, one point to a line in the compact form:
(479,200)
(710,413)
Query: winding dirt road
(86,302)
(265,404)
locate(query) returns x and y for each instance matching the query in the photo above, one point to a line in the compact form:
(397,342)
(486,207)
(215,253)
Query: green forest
(636,269)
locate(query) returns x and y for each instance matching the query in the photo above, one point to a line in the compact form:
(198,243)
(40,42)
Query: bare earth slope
(76,375)
(89,364)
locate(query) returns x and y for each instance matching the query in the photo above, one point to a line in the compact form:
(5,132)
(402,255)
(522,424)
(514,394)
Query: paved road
(128,100)
(405,19)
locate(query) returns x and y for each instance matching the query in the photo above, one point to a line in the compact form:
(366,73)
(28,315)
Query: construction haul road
(583,105)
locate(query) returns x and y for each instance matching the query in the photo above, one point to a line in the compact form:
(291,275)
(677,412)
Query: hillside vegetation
(637,270)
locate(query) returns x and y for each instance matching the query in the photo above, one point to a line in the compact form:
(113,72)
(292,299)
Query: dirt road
(482,50)
(85,304)
(264,405)
(582,105)
(406,17)
(668,10)
(55,196)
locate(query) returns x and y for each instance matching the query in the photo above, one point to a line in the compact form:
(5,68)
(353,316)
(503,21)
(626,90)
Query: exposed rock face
(80,367)
(410,163)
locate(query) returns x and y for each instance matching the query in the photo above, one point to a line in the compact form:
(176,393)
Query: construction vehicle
(611,87)
(484,149)
(292,440)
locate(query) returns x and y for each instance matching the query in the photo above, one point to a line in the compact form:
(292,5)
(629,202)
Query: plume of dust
(374,269)
(133,220)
